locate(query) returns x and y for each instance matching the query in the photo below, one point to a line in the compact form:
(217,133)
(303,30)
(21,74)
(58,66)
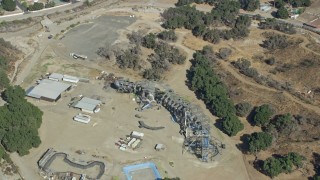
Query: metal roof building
(48,90)
(88,105)
(56,77)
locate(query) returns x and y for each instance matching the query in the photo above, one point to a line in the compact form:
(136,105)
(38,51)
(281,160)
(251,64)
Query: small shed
(136,134)
(265,7)
(159,147)
(82,118)
(56,77)
(71,79)
(88,105)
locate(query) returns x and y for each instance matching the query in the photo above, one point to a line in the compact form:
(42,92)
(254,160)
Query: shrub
(282,13)
(36,6)
(250,5)
(262,115)
(224,53)
(258,141)
(168,35)
(276,41)
(149,41)
(8,5)
(231,125)
(243,109)
(270,61)
(50,4)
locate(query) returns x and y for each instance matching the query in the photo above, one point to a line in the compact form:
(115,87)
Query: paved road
(41,13)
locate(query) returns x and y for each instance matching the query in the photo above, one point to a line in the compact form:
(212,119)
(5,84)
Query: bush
(276,41)
(224,53)
(274,166)
(231,125)
(4,81)
(250,5)
(8,5)
(149,41)
(272,23)
(36,6)
(168,35)
(258,141)
(50,4)
(270,61)
(20,121)
(262,115)
(243,109)
(282,13)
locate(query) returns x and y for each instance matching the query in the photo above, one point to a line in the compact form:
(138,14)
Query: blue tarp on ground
(128,169)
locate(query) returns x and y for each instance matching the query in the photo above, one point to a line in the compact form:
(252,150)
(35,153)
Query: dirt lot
(87,38)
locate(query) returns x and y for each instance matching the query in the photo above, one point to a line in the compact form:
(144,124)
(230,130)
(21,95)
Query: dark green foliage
(169,53)
(212,36)
(243,109)
(184,2)
(276,41)
(274,166)
(4,81)
(299,3)
(50,4)
(2,151)
(262,115)
(36,6)
(272,23)
(199,30)
(168,35)
(8,5)
(184,16)
(226,11)
(283,122)
(282,13)
(249,5)
(149,41)
(258,141)
(279,3)
(19,122)
(208,86)
(130,58)
(4,64)
(231,125)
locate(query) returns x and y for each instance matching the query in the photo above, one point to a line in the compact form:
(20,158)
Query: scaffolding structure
(194,124)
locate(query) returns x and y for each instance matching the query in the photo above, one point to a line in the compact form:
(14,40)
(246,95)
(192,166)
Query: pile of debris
(194,124)
(132,141)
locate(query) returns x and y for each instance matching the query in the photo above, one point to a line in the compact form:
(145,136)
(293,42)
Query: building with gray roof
(48,90)
(88,105)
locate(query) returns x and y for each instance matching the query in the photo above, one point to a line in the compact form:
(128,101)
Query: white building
(88,105)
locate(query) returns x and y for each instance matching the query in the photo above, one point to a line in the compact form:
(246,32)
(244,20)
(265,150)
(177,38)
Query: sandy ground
(60,132)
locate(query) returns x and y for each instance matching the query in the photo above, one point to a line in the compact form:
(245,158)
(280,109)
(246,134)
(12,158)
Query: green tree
(19,122)
(168,35)
(250,5)
(283,122)
(36,6)
(4,81)
(8,5)
(272,167)
(231,125)
(279,3)
(295,158)
(262,115)
(258,141)
(282,13)
(149,41)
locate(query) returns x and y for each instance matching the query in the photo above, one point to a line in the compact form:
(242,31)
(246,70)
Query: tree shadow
(218,124)
(258,164)
(243,147)
(250,116)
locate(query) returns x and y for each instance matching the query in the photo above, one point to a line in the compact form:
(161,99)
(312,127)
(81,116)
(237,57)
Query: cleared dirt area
(87,38)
